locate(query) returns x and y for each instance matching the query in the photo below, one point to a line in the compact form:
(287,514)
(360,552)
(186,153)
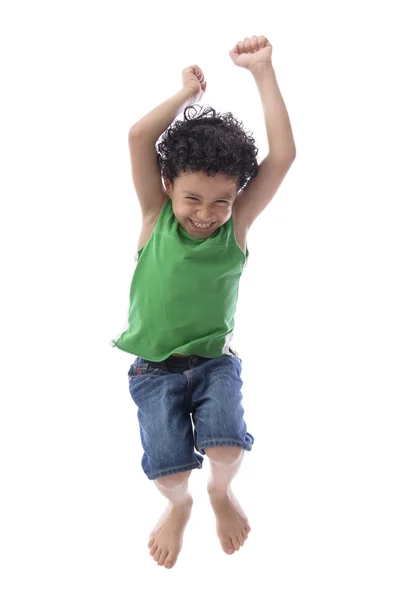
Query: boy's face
(203,200)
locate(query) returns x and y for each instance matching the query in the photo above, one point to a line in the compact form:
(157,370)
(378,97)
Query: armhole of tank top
(244,254)
(155,222)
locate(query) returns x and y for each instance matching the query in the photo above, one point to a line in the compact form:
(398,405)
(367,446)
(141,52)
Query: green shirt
(183,292)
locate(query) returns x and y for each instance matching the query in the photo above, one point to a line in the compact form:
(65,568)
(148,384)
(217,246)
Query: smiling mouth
(201,228)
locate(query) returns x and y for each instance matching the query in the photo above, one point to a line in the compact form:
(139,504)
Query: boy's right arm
(143,136)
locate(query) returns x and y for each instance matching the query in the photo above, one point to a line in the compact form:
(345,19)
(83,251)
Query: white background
(317,323)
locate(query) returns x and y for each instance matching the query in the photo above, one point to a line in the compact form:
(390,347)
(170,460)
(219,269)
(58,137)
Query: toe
(157,555)
(151,542)
(227,546)
(153,550)
(162,558)
(241,540)
(235,543)
(170,560)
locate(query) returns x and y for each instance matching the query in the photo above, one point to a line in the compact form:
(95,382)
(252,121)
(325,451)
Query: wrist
(184,98)
(262,69)
(188,96)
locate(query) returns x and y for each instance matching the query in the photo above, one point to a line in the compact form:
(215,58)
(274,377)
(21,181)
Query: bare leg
(232,524)
(166,539)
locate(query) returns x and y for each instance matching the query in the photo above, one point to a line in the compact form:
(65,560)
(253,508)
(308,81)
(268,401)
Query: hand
(193,82)
(256,51)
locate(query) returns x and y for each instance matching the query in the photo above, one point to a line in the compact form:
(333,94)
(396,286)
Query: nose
(205,216)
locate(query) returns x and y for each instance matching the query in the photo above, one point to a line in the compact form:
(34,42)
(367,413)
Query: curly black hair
(208,142)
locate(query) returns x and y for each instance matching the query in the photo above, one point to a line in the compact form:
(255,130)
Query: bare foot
(166,539)
(232,524)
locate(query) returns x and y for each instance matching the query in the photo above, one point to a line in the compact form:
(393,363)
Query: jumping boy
(191,253)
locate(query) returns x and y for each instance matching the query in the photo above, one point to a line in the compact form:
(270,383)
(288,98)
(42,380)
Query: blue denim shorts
(187,402)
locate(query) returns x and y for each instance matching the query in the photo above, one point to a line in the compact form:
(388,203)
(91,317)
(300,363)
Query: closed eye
(191,198)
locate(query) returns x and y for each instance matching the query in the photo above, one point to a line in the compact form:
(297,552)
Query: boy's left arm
(255,55)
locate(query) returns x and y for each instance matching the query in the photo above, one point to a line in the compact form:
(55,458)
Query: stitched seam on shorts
(227,441)
(189,379)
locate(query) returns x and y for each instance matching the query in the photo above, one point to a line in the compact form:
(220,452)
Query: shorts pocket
(138,369)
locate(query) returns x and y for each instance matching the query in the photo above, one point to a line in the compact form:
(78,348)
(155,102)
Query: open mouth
(203,228)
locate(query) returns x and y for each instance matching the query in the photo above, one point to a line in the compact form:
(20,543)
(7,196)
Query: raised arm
(255,55)
(144,134)
(142,138)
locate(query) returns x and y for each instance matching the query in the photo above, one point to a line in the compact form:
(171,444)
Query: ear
(168,186)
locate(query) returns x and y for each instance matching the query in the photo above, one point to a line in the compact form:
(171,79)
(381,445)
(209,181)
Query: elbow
(136,131)
(133,131)
(291,157)
(292,154)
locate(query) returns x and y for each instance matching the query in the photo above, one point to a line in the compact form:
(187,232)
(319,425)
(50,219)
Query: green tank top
(183,292)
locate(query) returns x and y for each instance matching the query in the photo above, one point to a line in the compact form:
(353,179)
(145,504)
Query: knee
(224,454)
(171,481)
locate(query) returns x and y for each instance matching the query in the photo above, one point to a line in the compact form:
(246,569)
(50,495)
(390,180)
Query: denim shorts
(187,402)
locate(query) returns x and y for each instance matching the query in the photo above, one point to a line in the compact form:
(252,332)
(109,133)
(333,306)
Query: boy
(191,253)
